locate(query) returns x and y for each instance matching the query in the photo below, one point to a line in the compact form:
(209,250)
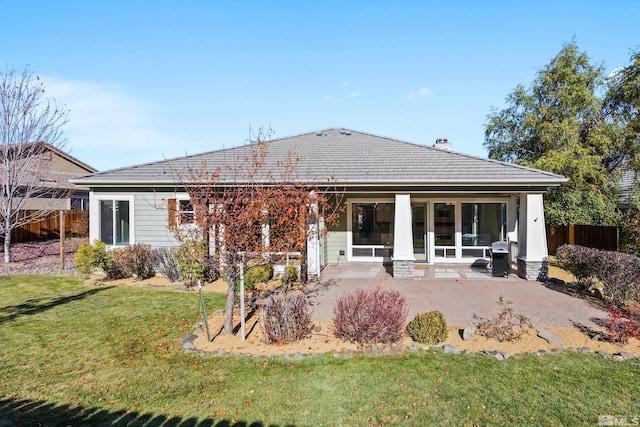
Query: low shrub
(254,275)
(85,259)
(428,328)
(620,274)
(370,316)
(113,265)
(621,328)
(190,260)
(286,317)
(506,326)
(290,274)
(89,258)
(580,261)
(164,261)
(136,260)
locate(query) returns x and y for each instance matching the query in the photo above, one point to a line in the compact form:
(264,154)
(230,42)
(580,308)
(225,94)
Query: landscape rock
(550,337)
(585,350)
(188,346)
(468,332)
(499,356)
(626,355)
(597,337)
(617,357)
(450,349)
(602,353)
(555,281)
(541,352)
(188,338)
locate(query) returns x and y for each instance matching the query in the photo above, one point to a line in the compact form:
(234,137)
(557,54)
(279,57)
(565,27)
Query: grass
(83,355)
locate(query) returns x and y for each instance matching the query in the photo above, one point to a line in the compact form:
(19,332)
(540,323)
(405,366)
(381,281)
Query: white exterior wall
(532,236)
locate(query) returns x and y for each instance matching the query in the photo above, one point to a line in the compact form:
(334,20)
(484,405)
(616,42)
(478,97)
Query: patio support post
(532,237)
(313,240)
(403,258)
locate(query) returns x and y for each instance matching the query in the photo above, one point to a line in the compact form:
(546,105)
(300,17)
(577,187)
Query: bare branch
(30,130)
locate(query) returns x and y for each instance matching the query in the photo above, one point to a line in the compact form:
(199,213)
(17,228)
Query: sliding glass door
(114,222)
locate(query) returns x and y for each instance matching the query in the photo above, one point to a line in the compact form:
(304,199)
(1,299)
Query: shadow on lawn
(35,412)
(38,305)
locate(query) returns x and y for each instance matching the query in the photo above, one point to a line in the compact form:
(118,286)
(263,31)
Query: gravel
(40,257)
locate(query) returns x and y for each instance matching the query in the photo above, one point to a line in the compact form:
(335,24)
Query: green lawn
(83,355)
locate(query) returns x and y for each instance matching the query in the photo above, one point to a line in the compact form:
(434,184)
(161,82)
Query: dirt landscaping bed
(322,340)
(41,257)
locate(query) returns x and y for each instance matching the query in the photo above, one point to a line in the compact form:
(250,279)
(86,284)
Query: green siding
(336,241)
(151,219)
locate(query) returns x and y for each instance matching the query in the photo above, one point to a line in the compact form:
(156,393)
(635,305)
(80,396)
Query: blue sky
(147,80)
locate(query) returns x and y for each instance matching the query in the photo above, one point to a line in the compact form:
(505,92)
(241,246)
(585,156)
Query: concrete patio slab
(463,294)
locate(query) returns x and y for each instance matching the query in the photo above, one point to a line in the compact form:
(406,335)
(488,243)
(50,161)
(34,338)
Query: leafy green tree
(573,121)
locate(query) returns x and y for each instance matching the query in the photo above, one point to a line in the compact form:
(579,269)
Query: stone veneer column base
(529,270)
(403,269)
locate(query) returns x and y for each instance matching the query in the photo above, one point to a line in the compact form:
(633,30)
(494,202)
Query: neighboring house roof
(61,167)
(351,158)
(55,167)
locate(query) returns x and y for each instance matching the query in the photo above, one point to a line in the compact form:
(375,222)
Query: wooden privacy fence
(76,224)
(591,236)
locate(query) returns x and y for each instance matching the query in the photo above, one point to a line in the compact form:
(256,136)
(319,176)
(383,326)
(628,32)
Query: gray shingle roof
(351,158)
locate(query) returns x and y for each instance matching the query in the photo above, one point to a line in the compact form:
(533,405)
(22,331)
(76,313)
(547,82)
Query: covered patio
(462,293)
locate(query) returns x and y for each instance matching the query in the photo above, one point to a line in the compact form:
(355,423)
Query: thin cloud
(104,118)
(328,98)
(420,93)
(354,95)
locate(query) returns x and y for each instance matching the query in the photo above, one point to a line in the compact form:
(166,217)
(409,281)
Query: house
(54,168)
(406,203)
(628,197)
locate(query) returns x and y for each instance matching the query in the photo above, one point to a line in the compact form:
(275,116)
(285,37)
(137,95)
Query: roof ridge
(498,170)
(471,156)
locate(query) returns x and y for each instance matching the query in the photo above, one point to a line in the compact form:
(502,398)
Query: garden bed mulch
(41,257)
(322,340)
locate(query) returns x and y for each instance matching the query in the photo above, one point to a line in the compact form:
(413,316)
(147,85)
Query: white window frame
(457,202)
(350,244)
(179,198)
(94,216)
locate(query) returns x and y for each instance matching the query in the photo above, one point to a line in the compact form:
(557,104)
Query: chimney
(443,144)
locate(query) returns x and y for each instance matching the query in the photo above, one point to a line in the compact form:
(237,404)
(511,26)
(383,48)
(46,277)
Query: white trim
(350,257)
(457,202)
(430,202)
(94,216)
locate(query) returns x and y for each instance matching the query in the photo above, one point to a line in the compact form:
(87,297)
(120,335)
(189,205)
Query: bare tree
(255,209)
(30,126)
